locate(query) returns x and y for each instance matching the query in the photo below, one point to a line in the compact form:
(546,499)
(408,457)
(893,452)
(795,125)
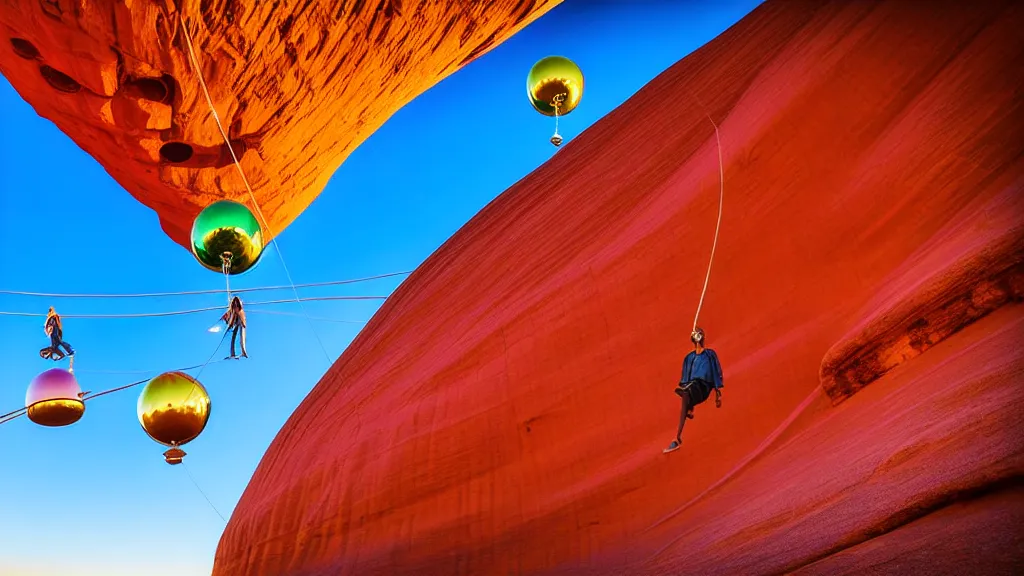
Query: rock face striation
(297,84)
(505,411)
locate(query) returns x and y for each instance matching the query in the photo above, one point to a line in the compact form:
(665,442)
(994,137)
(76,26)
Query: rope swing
(721,201)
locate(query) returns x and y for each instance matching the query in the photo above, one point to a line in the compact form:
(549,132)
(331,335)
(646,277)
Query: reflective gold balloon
(54,398)
(173,409)
(555,80)
(227,227)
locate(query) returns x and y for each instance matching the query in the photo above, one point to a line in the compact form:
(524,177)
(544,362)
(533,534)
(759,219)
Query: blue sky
(96,498)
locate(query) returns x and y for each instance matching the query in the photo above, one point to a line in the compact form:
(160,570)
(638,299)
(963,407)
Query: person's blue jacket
(716,367)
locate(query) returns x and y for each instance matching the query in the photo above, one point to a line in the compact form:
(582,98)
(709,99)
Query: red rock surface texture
(505,411)
(298,85)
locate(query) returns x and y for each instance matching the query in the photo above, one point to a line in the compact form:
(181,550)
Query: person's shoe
(671,447)
(680,391)
(244,355)
(689,413)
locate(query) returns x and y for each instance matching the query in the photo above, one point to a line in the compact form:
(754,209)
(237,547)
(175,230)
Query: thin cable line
(137,382)
(196,484)
(118,389)
(193,311)
(273,238)
(12,414)
(207,363)
(200,373)
(196,292)
(155,370)
(277,313)
(96,371)
(189,397)
(15,416)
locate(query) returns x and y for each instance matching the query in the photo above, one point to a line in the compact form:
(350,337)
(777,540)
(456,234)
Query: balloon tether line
(195,379)
(226,268)
(273,239)
(196,484)
(556,103)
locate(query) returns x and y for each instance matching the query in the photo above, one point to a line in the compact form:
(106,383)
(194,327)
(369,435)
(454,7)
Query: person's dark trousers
(56,343)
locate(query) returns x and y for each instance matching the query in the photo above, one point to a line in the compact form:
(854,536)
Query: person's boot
(672,447)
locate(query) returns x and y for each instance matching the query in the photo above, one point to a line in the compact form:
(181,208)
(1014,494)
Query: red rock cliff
(298,85)
(505,411)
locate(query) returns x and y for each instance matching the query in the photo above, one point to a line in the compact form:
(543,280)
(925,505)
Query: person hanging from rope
(235,320)
(55,330)
(702,373)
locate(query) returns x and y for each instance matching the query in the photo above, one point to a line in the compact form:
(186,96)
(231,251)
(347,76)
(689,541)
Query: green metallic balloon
(227,227)
(552,79)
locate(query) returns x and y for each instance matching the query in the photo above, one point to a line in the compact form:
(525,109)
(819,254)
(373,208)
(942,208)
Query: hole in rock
(24,48)
(59,80)
(155,89)
(52,9)
(176,152)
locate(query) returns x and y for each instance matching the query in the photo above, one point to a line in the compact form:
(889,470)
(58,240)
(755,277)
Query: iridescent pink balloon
(54,398)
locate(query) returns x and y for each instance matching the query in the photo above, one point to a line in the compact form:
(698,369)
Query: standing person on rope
(701,373)
(235,319)
(55,330)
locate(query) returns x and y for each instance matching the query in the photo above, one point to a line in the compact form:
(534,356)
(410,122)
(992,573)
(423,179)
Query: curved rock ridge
(984,252)
(298,85)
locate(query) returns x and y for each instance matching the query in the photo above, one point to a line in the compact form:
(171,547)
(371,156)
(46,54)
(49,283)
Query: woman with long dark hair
(235,319)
